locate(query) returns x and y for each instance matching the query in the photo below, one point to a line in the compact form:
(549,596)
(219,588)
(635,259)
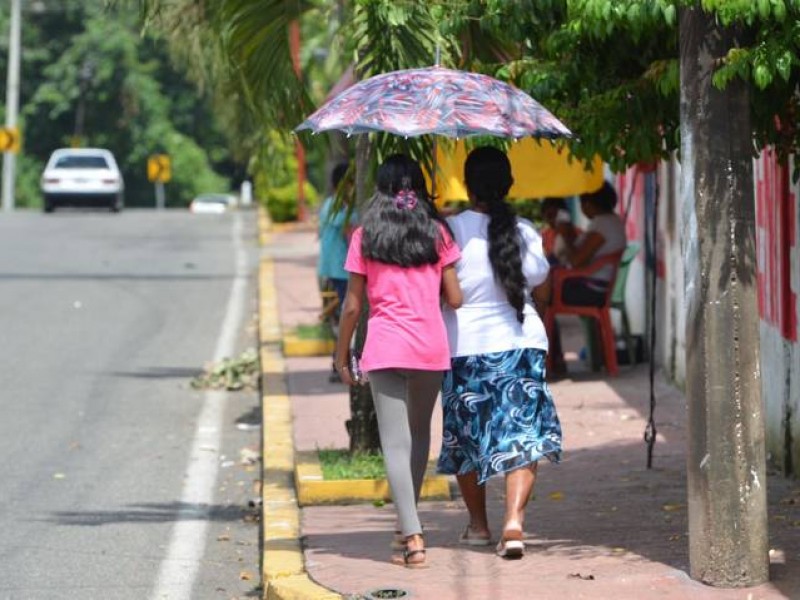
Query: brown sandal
(511,545)
(417,564)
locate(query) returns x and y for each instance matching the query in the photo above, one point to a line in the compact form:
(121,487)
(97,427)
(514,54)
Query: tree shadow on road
(155,513)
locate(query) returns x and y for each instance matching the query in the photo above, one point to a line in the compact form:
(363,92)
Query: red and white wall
(778,265)
(778,291)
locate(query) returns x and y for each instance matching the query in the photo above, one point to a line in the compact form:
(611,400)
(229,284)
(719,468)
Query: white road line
(187,544)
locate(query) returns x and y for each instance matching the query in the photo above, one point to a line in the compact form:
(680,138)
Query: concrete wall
(671,315)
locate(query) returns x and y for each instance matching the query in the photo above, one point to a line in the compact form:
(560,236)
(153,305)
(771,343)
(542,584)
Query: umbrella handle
(435,166)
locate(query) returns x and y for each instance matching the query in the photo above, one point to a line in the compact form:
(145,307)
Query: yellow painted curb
(297,588)
(283,572)
(313,489)
(295,346)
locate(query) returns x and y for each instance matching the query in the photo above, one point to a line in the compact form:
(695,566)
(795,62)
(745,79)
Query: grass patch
(317,331)
(340,464)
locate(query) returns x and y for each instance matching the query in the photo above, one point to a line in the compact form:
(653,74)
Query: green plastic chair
(618,297)
(618,303)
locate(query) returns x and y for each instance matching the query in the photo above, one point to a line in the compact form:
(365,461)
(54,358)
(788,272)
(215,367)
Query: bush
(28,192)
(281,202)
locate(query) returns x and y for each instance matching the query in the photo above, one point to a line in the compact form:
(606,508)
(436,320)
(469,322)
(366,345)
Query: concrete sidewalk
(601,525)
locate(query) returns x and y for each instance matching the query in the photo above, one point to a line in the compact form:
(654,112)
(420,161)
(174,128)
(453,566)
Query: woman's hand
(344,373)
(348,319)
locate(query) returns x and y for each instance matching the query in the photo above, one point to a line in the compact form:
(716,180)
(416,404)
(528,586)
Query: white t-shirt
(486,322)
(611,227)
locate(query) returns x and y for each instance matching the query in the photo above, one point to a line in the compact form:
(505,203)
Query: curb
(283,573)
(312,489)
(295,346)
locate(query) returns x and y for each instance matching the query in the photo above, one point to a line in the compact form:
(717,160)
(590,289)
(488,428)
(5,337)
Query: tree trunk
(726,456)
(363,423)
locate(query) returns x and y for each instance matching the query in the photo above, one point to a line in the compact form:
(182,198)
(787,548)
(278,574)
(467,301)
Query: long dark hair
(487,173)
(401,226)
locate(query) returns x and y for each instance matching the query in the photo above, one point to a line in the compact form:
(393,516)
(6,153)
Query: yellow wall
(540,169)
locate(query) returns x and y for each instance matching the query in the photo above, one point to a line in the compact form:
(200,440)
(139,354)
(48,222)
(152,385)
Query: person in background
(604,235)
(335,227)
(559,225)
(498,413)
(403,258)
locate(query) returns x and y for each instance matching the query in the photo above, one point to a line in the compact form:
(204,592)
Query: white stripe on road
(187,544)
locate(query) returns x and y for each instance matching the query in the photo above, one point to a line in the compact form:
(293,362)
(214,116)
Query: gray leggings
(404,401)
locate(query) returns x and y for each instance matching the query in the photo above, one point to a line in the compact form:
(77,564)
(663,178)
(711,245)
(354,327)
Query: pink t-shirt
(405,328)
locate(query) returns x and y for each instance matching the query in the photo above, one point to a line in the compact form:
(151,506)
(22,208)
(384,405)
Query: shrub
(281,202)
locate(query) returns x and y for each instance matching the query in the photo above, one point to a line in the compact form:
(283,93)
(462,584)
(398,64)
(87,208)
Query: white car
(82,177)
(212,203)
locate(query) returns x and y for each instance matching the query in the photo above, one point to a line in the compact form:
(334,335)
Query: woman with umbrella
(499,416)
(403,258)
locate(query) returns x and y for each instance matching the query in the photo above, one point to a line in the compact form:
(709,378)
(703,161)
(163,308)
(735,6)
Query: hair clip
(405,199)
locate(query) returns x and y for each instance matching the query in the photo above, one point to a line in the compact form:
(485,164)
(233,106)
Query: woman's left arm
(351,311)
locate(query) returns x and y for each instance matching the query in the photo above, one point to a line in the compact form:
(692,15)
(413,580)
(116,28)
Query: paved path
(601,524)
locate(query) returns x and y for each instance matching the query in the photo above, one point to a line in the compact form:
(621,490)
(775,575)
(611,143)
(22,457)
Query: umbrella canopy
(539,170)
(436,100)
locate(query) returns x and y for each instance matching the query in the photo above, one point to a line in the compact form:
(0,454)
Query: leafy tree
(80,58)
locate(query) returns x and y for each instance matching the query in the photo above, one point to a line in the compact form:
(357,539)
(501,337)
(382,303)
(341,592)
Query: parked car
(212,203)
(82,177)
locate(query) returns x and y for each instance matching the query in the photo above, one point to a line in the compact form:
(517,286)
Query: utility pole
(726,462)
(12,102)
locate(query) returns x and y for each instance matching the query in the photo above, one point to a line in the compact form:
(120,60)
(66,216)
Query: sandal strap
(409,553)
(512,535)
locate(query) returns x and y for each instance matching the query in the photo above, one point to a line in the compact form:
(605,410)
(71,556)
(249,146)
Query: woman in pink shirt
(403,258)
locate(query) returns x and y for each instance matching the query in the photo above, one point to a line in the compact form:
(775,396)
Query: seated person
(604,235)
(557,221)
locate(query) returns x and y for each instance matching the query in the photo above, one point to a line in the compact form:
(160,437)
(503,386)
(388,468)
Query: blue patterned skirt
(498,414)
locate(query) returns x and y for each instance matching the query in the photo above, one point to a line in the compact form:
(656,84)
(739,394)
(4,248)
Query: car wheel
(49,206)
(116,204)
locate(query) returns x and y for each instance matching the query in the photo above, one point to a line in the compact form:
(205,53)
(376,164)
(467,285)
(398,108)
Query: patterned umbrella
(438,101)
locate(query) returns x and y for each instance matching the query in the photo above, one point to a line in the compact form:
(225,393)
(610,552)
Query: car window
(81,162)
(214,199)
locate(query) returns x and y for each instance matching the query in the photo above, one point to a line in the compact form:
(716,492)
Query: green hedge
(281,202)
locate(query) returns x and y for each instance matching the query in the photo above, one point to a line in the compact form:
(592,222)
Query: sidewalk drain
(386,593)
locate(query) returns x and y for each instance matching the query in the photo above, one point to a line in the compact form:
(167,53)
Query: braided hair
(487,174)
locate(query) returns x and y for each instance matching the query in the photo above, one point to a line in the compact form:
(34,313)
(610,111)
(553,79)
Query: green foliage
(29,172)
(609,68)
(281,202)
(275,177)
(81,54)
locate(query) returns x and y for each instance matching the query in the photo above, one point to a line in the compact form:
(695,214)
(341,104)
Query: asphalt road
(117,479)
